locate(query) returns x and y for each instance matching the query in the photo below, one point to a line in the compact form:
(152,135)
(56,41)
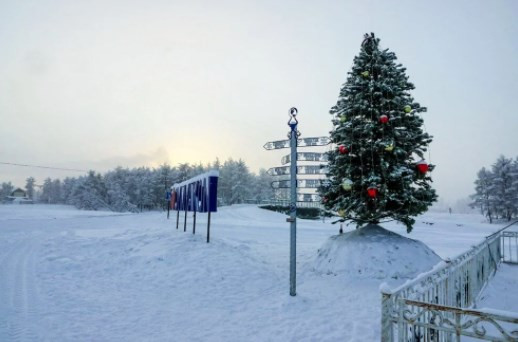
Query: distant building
(18,193)
(18,196)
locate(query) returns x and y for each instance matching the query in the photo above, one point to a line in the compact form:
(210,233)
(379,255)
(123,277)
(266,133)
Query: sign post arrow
(301,170)
(308,198)
(301,183)
(306,156)
(303,142)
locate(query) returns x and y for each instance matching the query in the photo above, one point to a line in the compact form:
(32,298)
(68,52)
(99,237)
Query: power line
(44,167)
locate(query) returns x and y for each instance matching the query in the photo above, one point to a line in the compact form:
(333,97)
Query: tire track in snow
(18,294)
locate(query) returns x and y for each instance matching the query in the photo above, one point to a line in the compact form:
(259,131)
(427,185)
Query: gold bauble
(347,185)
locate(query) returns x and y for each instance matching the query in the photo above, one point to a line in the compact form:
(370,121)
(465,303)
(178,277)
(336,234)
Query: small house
(18,196)
(18,193)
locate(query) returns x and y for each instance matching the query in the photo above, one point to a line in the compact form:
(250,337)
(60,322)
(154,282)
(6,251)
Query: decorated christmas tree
(378,172)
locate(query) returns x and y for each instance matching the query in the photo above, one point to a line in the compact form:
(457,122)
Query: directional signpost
(293,183)
(293,201)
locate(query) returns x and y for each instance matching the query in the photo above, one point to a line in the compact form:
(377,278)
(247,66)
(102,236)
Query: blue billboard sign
(198,194)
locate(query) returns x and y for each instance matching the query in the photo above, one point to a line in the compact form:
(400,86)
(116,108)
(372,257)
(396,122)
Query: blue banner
(198,194)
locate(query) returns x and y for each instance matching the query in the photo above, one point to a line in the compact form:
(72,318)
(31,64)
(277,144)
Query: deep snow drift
(374,252)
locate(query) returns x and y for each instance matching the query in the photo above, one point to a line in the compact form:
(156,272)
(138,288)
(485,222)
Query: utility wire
(43,167)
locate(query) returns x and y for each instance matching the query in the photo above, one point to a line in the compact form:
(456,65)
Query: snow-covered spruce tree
(377,172)
(29,187)
(6,188)
(502,188)
(483,197)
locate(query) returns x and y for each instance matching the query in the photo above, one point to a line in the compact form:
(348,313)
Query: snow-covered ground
(501,293)
(69,275)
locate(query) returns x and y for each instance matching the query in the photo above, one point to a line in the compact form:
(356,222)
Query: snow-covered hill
(97,276)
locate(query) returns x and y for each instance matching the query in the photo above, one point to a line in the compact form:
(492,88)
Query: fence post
(401,325)
(457,326)
(386,321)
(185,221)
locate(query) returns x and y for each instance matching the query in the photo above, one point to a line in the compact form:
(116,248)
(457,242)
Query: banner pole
(208,228)
(194,223)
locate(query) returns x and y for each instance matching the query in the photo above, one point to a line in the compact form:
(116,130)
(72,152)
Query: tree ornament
(341,213)
(343,118)
(407,109)
(347,185)
(365,73)
(389,148)
(422,167)
(324,199)
(372,191)
(342,149)
(384,119)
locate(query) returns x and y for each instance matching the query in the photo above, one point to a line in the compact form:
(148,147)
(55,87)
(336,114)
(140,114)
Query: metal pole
(208,228)
(185,221)
(177,218)
(293,202)
(194,222)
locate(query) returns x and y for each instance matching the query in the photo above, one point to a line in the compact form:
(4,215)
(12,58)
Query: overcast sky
(97,84)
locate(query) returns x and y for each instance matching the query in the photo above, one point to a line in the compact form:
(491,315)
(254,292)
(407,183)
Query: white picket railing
(455,284)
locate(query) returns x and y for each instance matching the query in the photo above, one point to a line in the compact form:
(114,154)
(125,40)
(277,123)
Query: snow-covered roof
(18,191)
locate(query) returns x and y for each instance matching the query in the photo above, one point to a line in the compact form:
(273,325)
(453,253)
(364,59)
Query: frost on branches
(377,171)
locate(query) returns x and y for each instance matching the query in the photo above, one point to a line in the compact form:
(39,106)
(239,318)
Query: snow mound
(374,252)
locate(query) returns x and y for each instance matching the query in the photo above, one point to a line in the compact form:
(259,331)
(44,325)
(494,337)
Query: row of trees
(124,189)
(496,190)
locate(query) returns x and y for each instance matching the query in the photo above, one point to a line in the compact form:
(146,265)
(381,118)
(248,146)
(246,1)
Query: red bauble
(324,199)
(372,192)
(422,167)
(384,119)
(342,149)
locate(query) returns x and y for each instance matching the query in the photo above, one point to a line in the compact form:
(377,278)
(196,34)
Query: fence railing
(454,283)
(432,322)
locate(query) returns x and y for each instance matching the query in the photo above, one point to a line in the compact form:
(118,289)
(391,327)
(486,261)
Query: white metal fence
(432,306)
